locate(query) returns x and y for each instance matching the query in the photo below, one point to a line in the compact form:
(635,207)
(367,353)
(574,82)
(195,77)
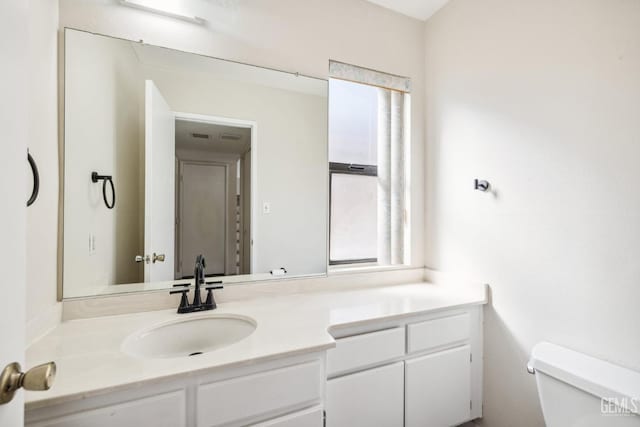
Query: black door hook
(36,179)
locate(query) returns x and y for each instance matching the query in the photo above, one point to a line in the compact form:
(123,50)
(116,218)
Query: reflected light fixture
(162,9)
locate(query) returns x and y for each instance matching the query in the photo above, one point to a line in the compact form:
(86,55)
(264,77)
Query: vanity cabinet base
(162,410)
(282,393)
(413,372)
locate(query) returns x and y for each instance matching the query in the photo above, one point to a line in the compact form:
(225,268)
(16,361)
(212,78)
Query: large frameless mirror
(168,155)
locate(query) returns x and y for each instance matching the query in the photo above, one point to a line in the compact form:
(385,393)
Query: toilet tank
(577,390)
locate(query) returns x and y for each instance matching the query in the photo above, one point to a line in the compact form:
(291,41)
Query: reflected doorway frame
(253,202)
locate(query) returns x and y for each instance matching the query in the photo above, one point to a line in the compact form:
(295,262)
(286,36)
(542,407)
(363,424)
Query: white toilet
(577,390)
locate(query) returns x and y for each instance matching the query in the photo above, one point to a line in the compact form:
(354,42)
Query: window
(367,157)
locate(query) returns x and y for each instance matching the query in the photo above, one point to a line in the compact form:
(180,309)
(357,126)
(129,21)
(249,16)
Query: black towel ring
(95,178)
(36,179)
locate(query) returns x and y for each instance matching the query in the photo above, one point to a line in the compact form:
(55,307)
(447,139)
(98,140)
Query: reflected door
(159,185)
(203,215)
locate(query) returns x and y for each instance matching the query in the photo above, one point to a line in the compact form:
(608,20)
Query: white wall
(104,136)
(42,130)
(291,35)
(542,98)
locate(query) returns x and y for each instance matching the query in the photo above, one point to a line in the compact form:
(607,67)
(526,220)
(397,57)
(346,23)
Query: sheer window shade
(390,212)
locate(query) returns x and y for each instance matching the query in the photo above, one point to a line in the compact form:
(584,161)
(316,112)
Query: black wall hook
(481,185)
(105,178)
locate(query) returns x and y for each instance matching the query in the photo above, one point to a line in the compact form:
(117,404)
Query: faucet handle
(210,302)
(184,301)
(213,285)
(178,285)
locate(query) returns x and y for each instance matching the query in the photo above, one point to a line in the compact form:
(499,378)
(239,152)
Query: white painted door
(372,398)
(13,192)
(438,389)
(203,221)
(159,185)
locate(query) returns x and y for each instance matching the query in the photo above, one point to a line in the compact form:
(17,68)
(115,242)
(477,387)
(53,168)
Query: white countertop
(89,360)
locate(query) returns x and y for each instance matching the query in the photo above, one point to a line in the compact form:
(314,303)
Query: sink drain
(195,353)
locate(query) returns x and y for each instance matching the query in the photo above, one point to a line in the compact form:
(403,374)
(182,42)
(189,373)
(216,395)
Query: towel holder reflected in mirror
(105,178)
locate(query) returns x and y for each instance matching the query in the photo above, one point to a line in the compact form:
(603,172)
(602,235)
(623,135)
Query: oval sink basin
(189,337)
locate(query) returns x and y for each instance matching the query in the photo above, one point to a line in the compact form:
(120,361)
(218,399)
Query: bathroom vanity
(385,356)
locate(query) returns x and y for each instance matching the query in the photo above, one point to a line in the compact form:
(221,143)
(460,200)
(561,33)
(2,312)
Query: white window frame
(360,75)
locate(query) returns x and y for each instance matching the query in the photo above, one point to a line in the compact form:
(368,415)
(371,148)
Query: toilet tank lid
(598,377)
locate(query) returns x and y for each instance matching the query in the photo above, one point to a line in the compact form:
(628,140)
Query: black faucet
(199,279)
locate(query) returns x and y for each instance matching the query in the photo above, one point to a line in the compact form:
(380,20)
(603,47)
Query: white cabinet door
(309,418)
(372,398)
(438,389)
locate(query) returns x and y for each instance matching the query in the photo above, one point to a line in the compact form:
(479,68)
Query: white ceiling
(419,9)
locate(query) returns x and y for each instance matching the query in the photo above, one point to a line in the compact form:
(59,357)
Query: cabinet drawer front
(438,332)
(364,350)
(167,410)
(371,398)
(262,395)
(309,418)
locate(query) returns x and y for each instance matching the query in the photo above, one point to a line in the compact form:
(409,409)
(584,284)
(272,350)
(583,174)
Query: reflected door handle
(140,258)
(158,258)
(37,378)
